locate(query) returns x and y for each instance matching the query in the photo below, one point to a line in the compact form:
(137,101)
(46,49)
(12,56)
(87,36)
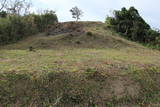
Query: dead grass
(100,38)
(76,59)
(103,68)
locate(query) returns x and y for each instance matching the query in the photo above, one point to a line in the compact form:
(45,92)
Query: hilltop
(75,35)
(79,64)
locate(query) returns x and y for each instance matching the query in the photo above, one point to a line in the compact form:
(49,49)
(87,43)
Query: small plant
(89,33)
(94,105)
(89,72)
(78,42)
(31,48)
(109,104)
(71,34)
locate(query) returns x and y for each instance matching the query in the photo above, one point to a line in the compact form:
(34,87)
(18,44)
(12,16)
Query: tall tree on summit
(76,13)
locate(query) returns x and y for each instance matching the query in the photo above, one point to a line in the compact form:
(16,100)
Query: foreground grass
(80,77)
(138,88)
(75,59)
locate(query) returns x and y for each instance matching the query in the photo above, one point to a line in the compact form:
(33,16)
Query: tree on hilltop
(76,13)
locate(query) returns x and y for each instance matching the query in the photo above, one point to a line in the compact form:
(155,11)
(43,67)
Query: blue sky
(97,10)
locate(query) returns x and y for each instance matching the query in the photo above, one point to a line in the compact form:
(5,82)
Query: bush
(44,20)
(14,27)
(3,14)
(78,42)
(89,33)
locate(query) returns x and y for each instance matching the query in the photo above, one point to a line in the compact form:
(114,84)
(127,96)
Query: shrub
(89,33)
(78,42)
(44,20)
(3,14)
(15,27)
(90,72)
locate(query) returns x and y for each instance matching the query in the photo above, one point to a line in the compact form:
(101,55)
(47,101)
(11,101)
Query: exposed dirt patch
(67,27)
(119,87)
(125,86)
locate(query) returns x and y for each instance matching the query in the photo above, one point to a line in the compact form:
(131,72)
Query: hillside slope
(82,65)
(75,35)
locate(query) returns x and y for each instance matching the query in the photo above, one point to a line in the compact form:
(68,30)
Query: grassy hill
(83,66)
(92,35)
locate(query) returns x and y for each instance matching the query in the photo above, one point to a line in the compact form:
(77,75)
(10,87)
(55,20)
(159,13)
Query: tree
(2,4)
(18,7)
(129,23)
(3,14)
(76,13)
(46,18)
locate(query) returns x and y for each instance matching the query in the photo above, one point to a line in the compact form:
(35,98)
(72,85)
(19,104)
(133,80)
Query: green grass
(103,70)
(75,59)
(89,88)
(100,39)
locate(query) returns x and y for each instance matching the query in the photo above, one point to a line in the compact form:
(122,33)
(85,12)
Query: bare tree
(19,7)
(76,13)
(2,4)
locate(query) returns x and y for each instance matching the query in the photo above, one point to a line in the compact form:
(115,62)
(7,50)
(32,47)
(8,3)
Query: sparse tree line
(131,25)
(16,21)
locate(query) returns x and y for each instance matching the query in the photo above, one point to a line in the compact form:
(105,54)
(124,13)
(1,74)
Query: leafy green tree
(133,26)
(14,27)
(42,21)
(130,23)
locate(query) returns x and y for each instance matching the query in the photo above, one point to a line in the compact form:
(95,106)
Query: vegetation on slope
(91,88)
(77,64)
(14,27)
(86,35)
(132,26)
(102,70)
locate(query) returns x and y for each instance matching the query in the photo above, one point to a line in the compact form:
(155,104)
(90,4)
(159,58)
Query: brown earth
(66,27)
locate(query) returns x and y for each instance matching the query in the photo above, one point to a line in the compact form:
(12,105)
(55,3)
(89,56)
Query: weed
(110,104)
(90,72)
(89,33)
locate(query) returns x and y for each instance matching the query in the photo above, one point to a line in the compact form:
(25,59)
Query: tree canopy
(76,13)
(129,23)
(14,27)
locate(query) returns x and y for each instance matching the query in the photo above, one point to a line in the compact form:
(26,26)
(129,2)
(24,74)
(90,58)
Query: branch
(3,4)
